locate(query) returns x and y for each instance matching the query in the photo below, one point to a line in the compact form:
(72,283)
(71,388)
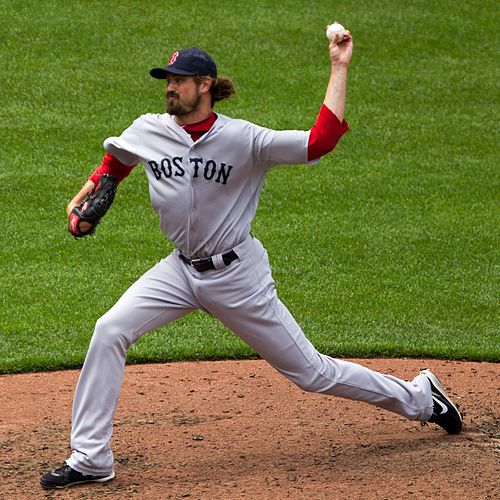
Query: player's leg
(245,301)
(277,338)
(160,296)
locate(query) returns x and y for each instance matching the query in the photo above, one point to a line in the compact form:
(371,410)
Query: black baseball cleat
(445,413)
(66,476)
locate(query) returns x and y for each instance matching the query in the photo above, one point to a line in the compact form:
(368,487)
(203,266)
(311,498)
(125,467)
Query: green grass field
(389,247)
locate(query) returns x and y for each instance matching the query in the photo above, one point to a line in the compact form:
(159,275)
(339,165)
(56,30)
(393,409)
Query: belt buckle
(195,262)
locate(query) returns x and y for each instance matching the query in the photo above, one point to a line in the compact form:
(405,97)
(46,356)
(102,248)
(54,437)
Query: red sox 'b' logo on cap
(173,58)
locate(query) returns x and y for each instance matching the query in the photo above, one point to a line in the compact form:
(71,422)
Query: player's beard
(180,107)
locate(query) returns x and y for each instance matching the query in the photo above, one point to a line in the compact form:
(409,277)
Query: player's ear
(206,84)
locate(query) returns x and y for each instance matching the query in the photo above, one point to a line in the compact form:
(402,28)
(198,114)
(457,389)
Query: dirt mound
(237,429)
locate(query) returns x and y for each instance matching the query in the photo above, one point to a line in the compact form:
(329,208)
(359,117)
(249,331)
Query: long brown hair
(222,88)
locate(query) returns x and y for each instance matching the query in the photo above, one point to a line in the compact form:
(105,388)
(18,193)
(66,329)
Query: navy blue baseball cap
(187,62)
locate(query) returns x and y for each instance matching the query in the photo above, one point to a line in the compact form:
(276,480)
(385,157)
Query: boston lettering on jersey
(207,169)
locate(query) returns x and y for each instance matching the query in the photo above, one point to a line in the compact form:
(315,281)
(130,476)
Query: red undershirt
(324,136)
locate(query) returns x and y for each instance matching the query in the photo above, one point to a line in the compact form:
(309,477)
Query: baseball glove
(84,219)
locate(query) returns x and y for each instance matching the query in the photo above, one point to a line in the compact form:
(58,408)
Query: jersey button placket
(194,212)
(192,203)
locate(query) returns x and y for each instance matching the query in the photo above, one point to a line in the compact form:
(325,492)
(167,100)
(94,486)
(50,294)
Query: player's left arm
(330,125)
(340,57)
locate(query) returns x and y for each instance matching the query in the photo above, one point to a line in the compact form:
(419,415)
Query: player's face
(183,95)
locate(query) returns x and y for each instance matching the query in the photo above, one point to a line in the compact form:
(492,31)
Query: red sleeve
(325,133)
(110,165)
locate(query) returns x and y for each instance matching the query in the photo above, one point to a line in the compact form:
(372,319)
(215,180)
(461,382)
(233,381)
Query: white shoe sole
(98,480)
(440,388)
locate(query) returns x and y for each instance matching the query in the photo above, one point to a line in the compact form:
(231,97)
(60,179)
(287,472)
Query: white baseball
(333,29)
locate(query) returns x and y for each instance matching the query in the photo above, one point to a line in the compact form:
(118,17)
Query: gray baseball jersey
(206,192)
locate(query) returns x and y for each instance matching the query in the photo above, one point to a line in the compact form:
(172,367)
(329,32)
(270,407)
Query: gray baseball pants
(243,297)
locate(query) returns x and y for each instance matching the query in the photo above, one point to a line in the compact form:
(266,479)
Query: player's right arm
(110,165)
(80,197)
(117,164)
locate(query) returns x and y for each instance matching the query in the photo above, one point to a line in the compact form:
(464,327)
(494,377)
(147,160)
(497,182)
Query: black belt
(202,265)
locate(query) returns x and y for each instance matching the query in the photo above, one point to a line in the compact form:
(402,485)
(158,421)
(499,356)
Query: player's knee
(310,382)
(108,332)
(310,385)
(317,378)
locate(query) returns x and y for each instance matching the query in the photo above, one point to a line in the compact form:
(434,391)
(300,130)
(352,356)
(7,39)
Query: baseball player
(205,173)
